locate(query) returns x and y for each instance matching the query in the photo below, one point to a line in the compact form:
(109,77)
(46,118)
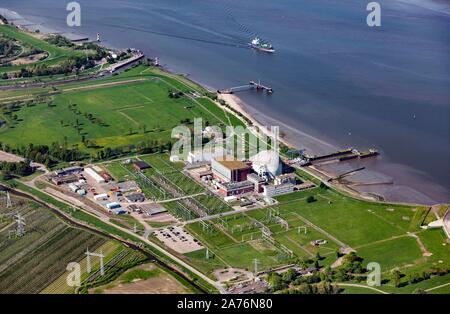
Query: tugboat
(261,46)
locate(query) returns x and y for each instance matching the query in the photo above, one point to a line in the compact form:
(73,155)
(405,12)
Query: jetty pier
(251,85)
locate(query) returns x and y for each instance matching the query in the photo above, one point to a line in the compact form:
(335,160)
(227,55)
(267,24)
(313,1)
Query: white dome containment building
(267,164)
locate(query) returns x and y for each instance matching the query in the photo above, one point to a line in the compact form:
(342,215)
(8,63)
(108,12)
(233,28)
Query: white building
(204,155)
(285,178)
(73,187)
(274,190)
(92,173)
(101,197)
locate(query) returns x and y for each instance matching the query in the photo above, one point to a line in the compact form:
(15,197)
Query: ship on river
(260,45)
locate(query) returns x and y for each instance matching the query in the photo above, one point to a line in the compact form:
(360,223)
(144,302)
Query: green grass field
(127,110)
(384,233)
(56,54)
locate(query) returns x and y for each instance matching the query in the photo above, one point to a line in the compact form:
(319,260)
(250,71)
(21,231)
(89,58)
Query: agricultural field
(143,279)
(29,263)
(128,110)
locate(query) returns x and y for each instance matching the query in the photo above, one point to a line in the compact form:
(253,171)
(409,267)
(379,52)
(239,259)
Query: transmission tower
(8,200)
(256,262)
(20,228)
(88,261)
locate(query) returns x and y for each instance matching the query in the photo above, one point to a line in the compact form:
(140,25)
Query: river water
(334,77)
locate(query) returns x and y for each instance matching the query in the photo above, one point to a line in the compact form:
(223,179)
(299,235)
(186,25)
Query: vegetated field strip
(352,221)
(232,251)
(383,233)
(108,249)
(147,278)
(124,259)
(117,171)
(213,204)
(42,254)
(56,54)
(106,127)
(185,183)
(162,163)
(393,253)
(49,79)
(163,170)
(379,232)
(295,238)
(205,265)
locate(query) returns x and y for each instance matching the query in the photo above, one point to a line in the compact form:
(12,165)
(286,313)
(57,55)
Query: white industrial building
(101,197)
(94,175)
(285,178)
(204,155)
(274,190)
(73,187)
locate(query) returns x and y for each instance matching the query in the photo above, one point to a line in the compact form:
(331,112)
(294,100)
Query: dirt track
(4,156)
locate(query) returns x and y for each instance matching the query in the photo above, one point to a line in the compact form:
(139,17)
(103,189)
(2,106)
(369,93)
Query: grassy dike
(92,221)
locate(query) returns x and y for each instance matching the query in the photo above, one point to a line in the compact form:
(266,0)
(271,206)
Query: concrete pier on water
(251,85)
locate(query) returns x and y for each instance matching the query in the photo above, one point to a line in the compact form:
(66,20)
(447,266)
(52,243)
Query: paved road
(361,286)
(437,287)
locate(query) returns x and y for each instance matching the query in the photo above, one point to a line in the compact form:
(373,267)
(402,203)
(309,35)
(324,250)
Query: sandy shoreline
(289,136)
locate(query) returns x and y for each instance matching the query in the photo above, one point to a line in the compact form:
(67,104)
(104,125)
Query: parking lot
(176,238)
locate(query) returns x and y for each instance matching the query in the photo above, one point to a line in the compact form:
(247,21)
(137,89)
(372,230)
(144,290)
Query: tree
(318,257)
(276,281)
(290,275)
(396,276)
(310,199)
(316,264)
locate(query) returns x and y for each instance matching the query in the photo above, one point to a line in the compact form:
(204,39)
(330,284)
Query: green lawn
(56,54)
(352,221)
(108,115)
(392,253)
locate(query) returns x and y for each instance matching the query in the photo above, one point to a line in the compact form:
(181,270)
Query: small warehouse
(73,187)
(119,211)
(106,176)
(135,197)
(141,165)
(113,205)
(64,179)
(94,175)
(101,197)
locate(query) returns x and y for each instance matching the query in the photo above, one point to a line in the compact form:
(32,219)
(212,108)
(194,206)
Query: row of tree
(47,155)
(10,169)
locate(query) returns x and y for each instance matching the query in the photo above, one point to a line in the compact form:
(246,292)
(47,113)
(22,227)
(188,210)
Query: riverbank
(293,133)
